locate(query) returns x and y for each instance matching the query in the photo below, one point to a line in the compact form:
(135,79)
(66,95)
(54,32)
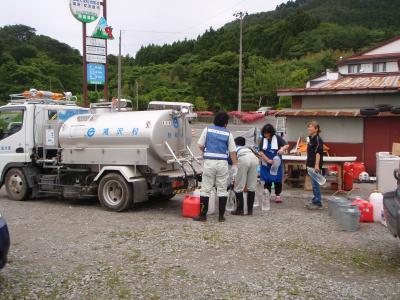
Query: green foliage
(201,104)
(31,61)
(284,48)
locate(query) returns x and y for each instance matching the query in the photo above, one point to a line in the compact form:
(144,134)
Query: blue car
(4,242)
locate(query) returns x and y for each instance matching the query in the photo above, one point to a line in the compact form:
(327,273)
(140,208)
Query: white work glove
(234,171)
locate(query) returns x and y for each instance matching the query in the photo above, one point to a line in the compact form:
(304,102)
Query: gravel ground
(76,250)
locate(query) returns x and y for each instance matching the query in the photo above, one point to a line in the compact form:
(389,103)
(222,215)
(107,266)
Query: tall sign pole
(85,12)
(84,84)
(106,70)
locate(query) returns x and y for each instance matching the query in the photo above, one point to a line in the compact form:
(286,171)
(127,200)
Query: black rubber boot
(250,202)
(222,206)
(203,209)
(239,205)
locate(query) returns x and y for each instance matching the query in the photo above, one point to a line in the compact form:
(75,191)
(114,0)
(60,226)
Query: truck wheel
(16,185)
(115,193)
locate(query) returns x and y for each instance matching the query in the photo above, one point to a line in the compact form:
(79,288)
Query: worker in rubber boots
(246,176)
(217,145)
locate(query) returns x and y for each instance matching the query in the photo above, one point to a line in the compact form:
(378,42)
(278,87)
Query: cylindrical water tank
(142,129)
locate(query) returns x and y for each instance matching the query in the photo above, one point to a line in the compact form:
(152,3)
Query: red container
(333,168)
(358,168)
(366,210)
(347,167)
(191,206)
(348,180)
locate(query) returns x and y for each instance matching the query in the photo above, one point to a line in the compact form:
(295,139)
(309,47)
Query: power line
(210,18)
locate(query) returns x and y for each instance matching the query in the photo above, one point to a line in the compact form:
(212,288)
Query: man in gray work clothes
(217,145)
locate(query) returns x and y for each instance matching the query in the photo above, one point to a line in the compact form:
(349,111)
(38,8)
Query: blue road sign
(96,73)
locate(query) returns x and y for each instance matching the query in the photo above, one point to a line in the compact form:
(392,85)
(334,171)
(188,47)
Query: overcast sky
(148,21)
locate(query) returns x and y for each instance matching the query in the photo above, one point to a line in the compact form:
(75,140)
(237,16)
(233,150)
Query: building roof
(379,45)
(328,113)
(360,58)
(350,84)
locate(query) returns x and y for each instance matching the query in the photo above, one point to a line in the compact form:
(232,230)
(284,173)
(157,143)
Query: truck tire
(115,193)
(17,185)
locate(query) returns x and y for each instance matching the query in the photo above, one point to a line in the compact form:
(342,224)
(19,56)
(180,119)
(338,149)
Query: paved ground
(76,250)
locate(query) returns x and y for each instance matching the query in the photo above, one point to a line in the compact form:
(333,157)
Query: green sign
(102,30)
(85,11)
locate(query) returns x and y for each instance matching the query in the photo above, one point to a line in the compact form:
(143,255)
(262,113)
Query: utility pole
(137,94)
(119,70)
(240,16)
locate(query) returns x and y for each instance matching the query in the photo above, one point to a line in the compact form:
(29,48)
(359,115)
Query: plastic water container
(212,202)
(376,200)
(366,210)
(333,205)
(191,206)
(349,218)
(231,203)
(316,176)
(266,202)
(275,165)
(259,194)
(358,168)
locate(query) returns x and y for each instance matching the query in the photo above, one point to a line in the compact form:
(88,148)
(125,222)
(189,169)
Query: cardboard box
(396,149)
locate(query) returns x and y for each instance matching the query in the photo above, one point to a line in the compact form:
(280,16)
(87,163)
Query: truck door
(12,136)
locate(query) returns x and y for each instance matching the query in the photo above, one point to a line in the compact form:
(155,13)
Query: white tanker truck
(51,146)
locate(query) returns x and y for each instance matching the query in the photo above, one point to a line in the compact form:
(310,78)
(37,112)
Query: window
(10,122)
(354,69)
(379,67)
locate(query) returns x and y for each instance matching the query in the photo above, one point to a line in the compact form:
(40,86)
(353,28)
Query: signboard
(96,74)
(95,50)
(102,30)
(85,11)
(98,59)
(90,41)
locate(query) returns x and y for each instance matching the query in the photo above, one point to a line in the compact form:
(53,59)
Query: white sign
(50,138)
(85,11)
(98,59)
(95,42)
(95,50)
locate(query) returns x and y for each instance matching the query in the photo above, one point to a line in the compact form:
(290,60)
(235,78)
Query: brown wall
(379,136)
(297,102)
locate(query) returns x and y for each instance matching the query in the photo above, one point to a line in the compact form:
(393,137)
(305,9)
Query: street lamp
(240,16)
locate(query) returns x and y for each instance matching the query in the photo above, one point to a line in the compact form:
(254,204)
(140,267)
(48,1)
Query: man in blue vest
(217,145)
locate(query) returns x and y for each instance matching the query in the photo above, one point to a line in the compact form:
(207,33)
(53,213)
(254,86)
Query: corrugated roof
(357,84)
(351,113)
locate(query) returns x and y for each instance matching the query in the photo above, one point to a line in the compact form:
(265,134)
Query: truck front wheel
(115,193)
(16,185)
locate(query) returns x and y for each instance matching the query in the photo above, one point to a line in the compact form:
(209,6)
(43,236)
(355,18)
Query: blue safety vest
(217,141)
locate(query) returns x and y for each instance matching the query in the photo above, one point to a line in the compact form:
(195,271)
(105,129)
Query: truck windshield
(10,122)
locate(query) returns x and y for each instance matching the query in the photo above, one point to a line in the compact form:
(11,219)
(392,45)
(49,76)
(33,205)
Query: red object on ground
(191,206)
(348,167)
(366,210)
(348,180)
(333,168)
(358,168)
